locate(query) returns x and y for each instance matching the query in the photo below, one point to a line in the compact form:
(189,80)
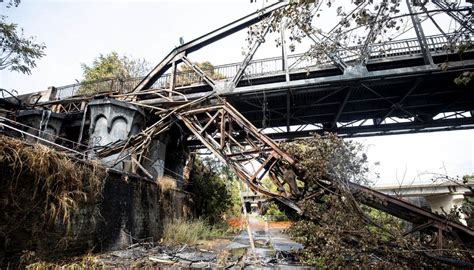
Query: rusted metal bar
(261,168)
(407,211)
(250,55)
(202,109)
(247,152)
(210,121)
(439,243)
(148,106)
(244,122)
(419,228)
(202,139)
(199,72)
(266,159)
(235,141)
(173,77)
(145,171)
(222,128)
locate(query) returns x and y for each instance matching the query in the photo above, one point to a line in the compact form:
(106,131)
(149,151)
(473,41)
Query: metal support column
(420,34)
(288,110)
(173,78)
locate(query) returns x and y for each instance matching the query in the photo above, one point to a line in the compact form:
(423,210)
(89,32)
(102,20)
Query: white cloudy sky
(76,31)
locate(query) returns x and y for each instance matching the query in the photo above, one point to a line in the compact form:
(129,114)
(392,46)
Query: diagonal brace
(341,108)
(199,72)
(249,56)
(333,56)
(400,102)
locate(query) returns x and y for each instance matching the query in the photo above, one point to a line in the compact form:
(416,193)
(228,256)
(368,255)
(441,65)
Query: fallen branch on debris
(338,231)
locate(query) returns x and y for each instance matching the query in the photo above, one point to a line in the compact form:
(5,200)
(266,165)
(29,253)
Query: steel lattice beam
(205,40)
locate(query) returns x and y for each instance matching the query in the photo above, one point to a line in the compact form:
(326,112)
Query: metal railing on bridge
(100,86)
(438,44)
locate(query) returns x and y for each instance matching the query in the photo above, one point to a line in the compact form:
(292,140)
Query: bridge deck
(398,93)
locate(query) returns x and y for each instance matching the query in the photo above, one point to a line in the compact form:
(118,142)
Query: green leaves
(110,66)
(17,52)
(187,76)
(12,3)
(213,197)
(105,67)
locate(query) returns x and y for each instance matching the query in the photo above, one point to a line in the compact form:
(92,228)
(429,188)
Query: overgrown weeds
(86,262)
(41,188)
(191,231)
(166,183)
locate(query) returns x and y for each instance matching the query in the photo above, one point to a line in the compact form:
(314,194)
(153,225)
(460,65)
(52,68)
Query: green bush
(216,194)
(274,213)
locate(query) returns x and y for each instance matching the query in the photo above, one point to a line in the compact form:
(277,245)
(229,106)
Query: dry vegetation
(180,231)
(86,262)
(213,201)
(337,231)
(166,183)
(41,188)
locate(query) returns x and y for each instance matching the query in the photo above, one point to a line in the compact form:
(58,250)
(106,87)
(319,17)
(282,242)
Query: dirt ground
(281,225)
(272,249)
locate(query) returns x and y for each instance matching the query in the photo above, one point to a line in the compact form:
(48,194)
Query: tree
(113,66)
(98,77)
(335,229)
(17,52)
(186,76)
(213,196)
(359,25)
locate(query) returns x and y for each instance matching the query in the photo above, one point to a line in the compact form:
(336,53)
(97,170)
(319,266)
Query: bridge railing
(268,66)
(100,86)
(396,48)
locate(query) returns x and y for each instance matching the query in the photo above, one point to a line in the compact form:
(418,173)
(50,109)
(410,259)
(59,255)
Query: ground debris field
(334,230)
(272,249)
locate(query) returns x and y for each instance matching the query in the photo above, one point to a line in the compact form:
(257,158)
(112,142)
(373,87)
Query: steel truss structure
(251,155)
(407,94)
(234,133)
(226,116)
(398,86)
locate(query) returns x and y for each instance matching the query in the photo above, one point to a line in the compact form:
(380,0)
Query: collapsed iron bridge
(239,115)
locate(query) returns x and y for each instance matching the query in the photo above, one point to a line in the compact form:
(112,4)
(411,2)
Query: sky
(77,31)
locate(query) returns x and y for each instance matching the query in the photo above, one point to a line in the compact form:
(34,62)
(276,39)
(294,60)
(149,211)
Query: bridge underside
(386,104)
(395,97)
(394,94)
